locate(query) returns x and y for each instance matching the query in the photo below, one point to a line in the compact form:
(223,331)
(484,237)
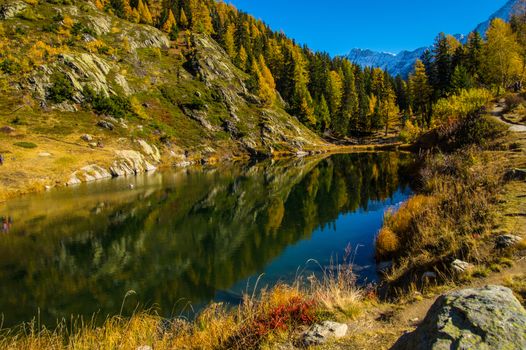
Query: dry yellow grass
(274,315)
(51,163)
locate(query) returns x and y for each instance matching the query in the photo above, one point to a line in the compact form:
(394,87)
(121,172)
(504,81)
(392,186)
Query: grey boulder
(470,319)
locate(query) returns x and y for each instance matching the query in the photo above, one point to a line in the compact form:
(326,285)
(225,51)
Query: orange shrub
(387,243)
(401,220)
(400,226)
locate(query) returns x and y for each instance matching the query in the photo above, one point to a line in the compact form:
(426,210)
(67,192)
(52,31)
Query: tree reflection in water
(185,234)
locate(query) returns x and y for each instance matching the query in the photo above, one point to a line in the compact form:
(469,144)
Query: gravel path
(496,112)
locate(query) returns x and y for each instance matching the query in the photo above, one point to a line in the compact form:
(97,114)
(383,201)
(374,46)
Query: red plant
(295,312)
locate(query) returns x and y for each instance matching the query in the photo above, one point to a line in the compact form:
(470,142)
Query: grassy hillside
(64,69)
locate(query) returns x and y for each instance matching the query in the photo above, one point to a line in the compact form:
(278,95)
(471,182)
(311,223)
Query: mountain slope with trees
(195,80)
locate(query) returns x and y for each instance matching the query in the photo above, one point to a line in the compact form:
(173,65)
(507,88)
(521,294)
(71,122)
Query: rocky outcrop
(10,9)
(87,174)
(478,319)
(321,333)
(127,162)
(130,163)
(142,36)
(505,241)
(150,150)
(90,68)
(200,117)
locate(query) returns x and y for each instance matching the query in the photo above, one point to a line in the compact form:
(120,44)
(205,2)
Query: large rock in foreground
(485,318)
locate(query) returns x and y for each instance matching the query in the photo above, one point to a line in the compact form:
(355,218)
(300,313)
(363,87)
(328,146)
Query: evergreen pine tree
(421,93)
(183,20)
(323,115)
(170,23)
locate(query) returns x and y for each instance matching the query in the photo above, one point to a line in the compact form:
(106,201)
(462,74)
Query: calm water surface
(191,235)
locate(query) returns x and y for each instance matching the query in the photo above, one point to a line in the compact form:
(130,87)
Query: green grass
(24,144)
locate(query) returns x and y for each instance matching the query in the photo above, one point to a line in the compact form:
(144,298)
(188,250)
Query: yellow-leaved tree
(266,83)
(229,41)
(170,22)
(502,63)
(183,20)
(144,13)
(201,20)
(420,92)
(242,58)
(334,98)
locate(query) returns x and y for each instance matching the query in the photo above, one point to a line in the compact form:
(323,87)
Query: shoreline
(94,171)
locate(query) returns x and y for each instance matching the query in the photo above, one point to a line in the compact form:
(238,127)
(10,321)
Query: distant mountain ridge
(403,62)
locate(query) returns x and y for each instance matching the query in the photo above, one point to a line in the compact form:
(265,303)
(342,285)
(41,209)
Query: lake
(190,236)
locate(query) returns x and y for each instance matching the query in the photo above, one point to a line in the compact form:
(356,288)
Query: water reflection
(187,234)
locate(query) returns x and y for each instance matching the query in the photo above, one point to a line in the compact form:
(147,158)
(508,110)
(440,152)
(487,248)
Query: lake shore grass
(457,212)
(272,316)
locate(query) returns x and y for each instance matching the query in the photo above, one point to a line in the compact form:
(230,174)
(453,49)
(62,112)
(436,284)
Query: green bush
(461,105)
(24,144)
(114,105)
(62,88)
(27,14)
(478,130)
(79,28)
(474,129)
(170,94)
(51,28)
(195,104)
(9,66)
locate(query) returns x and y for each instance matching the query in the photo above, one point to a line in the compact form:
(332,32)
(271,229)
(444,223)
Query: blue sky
(336,26)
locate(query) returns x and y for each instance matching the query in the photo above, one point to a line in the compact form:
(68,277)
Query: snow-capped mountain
(403,62)
(505,12)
